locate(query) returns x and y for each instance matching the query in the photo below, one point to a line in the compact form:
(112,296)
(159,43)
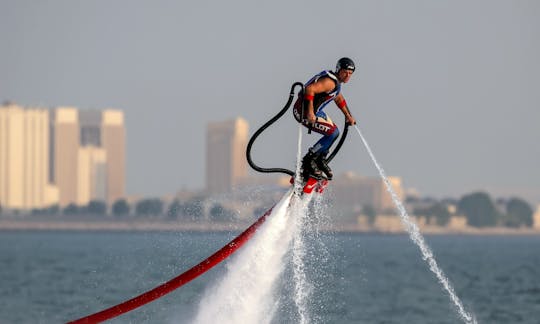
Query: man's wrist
(309,97)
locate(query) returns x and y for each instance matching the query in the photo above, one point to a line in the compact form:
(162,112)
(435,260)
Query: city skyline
(446,92)
(226,167)
(77,174)
(60,156)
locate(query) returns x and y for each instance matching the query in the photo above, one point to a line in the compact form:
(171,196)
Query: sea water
(53,277)
(418,239)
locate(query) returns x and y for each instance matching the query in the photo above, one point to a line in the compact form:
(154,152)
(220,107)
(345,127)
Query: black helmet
(345,63)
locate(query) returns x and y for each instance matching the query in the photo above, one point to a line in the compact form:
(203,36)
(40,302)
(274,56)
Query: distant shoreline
(176,226)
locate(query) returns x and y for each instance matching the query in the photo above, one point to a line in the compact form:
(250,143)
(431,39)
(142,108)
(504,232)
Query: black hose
(265,126)
(273,120)
(339,144)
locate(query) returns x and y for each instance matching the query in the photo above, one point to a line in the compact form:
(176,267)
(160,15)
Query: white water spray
(297,179)
(418,239)
(246,292)
(298,212)
(302,287)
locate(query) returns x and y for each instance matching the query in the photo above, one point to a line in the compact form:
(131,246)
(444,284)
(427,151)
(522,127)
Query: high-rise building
(24,158)
(60,156)
(226,163)
(92,175)
(65,142)
(105,129)
(113,137)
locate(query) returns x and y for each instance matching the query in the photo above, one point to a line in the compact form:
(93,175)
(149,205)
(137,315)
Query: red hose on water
(176,282)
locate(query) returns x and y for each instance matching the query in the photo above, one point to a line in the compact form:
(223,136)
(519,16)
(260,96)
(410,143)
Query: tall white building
(226,164)
(24,158)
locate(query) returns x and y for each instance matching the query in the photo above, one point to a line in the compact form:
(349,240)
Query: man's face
(344,75)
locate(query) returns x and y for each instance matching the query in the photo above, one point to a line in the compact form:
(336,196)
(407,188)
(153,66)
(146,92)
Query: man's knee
(334,132)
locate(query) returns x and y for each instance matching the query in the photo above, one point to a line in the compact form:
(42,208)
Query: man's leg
(322,147)
(317,154)
(314,162)
(310,168)
(309,164)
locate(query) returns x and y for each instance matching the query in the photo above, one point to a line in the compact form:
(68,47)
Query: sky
(447,93)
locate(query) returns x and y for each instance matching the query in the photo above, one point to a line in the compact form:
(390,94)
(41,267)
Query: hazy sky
(447,93)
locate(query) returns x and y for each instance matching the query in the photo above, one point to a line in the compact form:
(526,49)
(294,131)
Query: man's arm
(342,105)
(322,85)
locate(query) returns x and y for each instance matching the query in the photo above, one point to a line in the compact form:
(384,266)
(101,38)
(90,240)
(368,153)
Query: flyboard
(309,185)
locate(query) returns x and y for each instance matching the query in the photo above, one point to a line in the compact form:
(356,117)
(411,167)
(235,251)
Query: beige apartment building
(24,158)
(354,192)
(226,164)
(92,175)
(65,139)
(105,129)
(114,143)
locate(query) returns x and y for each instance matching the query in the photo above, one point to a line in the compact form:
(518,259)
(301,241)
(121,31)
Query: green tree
(53,210)
(411,199)
(370,212)
(441,214)
(175,208)
(96,207)
(193,208)
(438,210)
(156,206)
(71,209)
(220,213)
(149,207)
(142,207)
(518,213)
(120,208)
(479,209)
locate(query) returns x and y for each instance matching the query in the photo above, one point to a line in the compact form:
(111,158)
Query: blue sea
(54,277)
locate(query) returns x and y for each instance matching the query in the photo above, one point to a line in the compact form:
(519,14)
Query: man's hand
(350,120)
(311,119)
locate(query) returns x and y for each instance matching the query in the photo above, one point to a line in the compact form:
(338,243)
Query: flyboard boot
(322,164)
(310,169)
(313,177)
